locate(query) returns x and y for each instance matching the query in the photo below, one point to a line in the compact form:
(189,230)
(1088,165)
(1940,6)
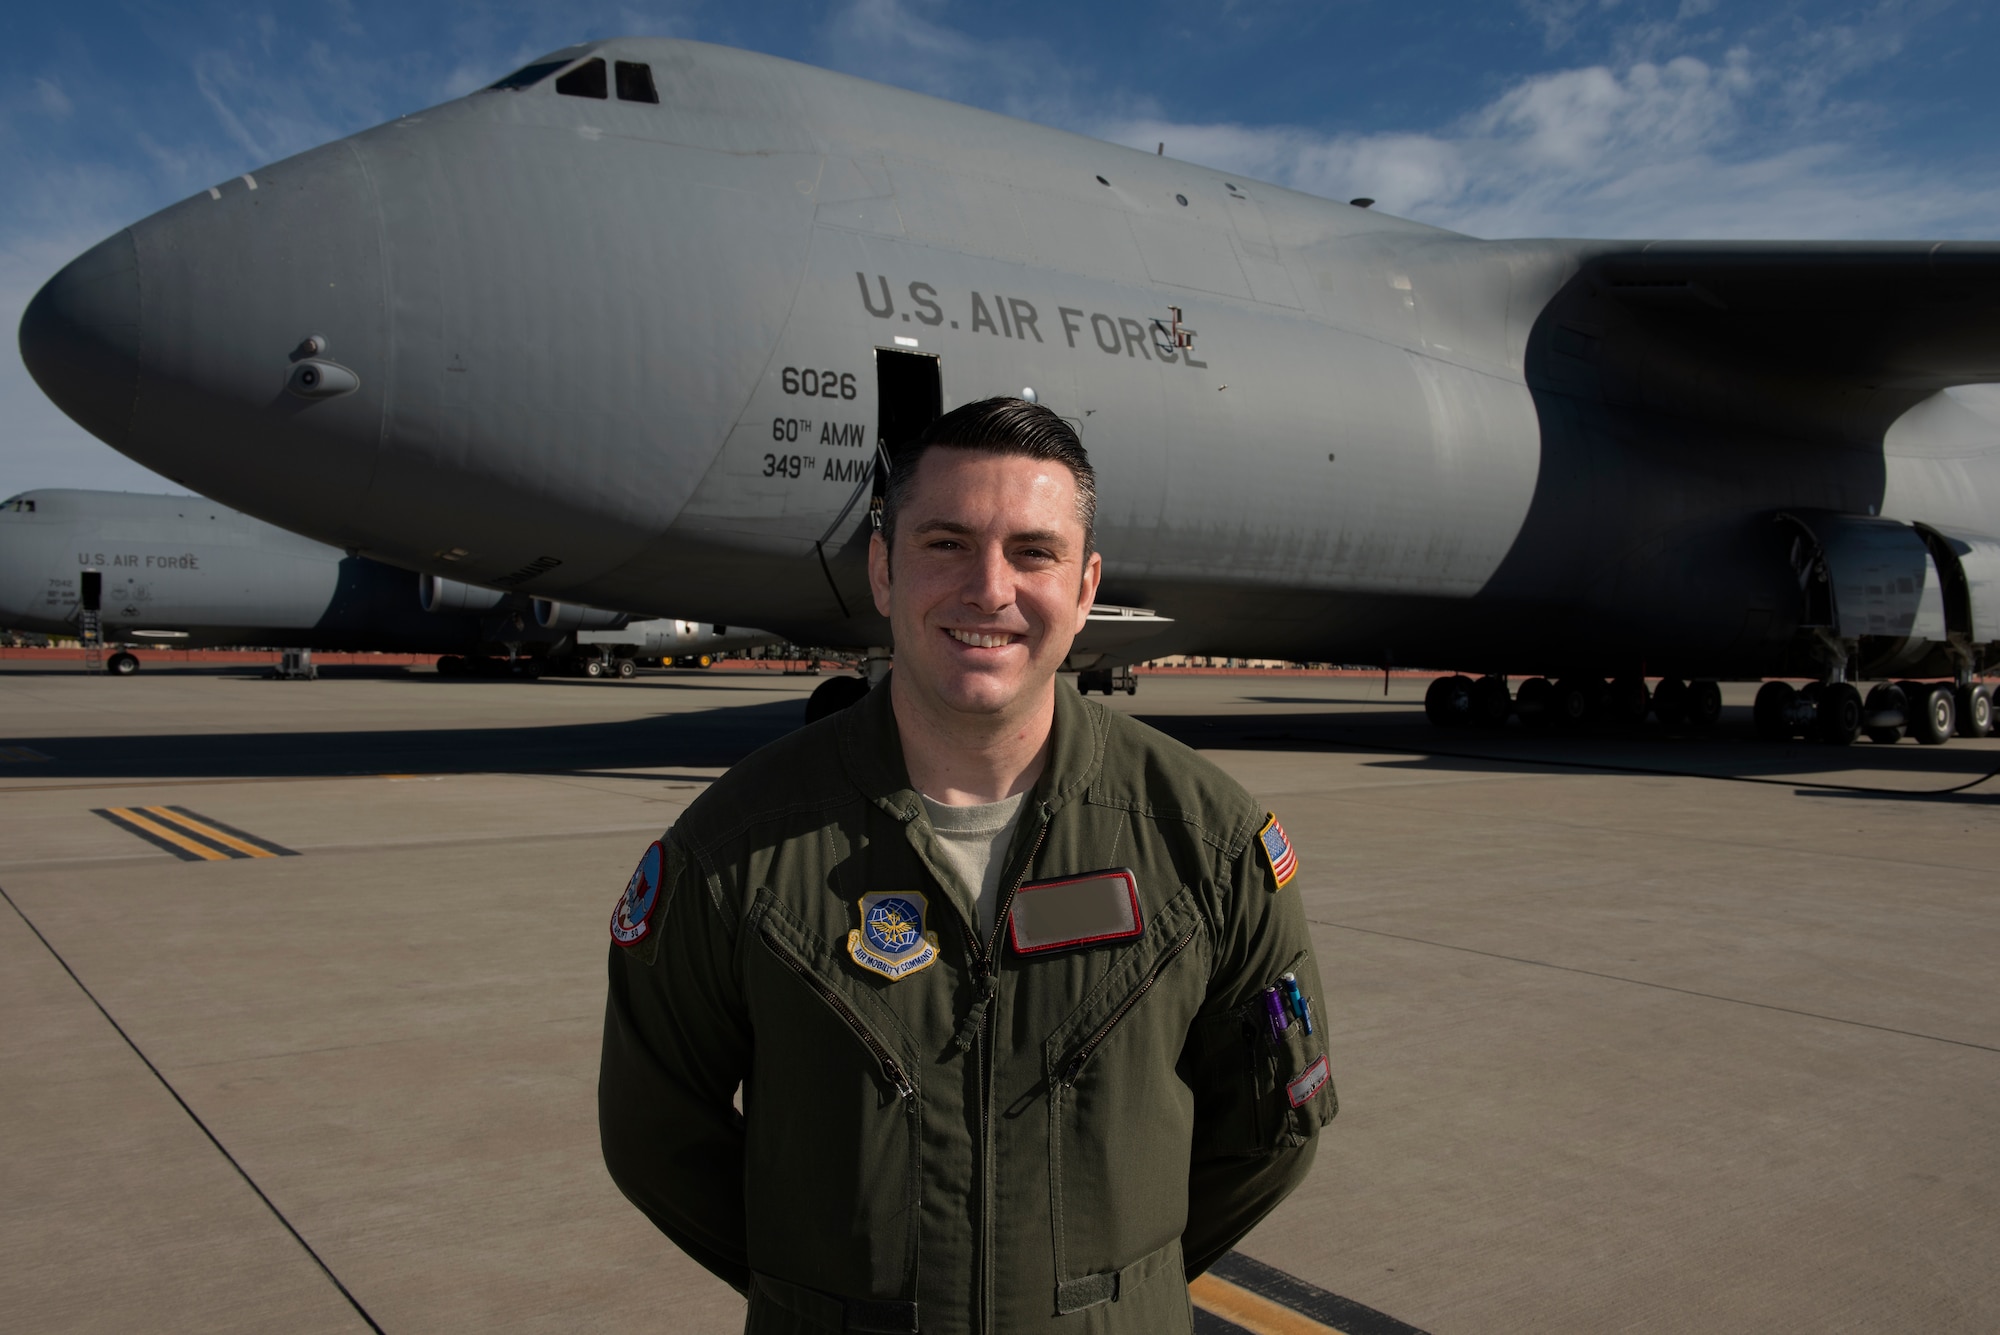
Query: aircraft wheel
(593,667)
(1131,686)
(627,669)
(1491,704)
(1935,716)
(1839,718)
(1531,702)
(1448,701)
(833,695)
(1882,701)
(1627,701)
(1773,711)
(1704,705)
(704,660)
(1670,703)
(1975,711)
(121,664)
(450,665)
(1574,702)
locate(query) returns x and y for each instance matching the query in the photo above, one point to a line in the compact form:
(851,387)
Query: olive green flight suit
(993,1143)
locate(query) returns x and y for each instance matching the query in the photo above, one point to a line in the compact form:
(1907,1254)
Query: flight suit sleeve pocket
(1254,1093)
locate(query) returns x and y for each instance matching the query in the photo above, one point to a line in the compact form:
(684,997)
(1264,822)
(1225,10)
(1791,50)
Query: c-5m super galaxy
(181,572)
(635,326)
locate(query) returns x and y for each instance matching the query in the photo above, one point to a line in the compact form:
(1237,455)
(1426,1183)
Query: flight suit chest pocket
(816,1218)
(1120,1119)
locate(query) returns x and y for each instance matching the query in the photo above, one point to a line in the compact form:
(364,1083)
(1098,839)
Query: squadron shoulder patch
(1278,850)
(891,940)
(632,920)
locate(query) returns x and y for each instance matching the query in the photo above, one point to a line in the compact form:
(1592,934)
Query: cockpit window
(586,80)
(635,83)
(19,505)
(527,76)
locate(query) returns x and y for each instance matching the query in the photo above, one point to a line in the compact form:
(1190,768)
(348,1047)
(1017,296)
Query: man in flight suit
(1019,1005)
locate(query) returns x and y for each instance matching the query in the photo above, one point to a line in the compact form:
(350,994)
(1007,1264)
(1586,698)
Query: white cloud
(53,101)
(1670,148)
(899,42)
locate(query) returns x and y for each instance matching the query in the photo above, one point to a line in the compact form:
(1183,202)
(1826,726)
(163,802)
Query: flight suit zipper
(1083,1054)
(989,959)
(891,1070)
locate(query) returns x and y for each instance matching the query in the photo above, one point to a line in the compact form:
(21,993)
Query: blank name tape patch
(1071,912)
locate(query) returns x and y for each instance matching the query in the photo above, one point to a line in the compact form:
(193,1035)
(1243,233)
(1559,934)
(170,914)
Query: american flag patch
(1278,850)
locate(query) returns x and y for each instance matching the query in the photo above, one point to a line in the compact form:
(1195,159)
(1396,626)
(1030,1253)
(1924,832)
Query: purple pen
(1274,1007)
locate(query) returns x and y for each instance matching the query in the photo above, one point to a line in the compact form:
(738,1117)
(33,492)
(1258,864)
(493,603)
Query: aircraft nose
(234,342)
(80,338)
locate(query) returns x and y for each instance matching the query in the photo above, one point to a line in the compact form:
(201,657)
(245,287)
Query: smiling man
(1021,1010)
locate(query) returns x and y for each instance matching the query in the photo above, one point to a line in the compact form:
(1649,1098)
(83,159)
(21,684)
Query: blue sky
(1671,118)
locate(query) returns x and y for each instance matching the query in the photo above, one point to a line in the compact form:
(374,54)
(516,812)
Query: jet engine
(552,615)
(438,594)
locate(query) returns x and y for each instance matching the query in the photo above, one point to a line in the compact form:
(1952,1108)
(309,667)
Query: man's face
(991,583)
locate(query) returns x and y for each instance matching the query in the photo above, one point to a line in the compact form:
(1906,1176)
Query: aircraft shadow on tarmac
(1732,751)
(717,738)
(707,738)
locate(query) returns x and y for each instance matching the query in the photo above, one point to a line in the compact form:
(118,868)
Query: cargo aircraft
(639,324)
(180,572)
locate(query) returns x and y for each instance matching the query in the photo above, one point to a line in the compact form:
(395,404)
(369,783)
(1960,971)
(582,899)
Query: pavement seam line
(1664,987)
(193,1116)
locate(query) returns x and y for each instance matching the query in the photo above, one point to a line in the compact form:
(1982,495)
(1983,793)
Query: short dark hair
(1006,426)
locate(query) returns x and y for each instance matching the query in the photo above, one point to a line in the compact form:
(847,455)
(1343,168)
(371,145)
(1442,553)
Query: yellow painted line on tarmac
(1254,1313)
(172,840)
(205,830)
(191,836)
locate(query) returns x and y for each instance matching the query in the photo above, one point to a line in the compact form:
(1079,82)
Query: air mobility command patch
(891,940)
(1278,851)
(632,920)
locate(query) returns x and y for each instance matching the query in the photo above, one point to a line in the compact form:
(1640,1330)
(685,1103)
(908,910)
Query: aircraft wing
(1911,315)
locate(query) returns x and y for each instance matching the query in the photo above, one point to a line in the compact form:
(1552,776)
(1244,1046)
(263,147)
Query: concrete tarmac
(1631,1032)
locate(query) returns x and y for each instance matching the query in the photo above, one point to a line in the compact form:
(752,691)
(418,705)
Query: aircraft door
(93,591)
(909,396)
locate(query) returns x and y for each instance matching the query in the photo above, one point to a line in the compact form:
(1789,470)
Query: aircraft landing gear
(1448,701)
(1884,714)
(1574,702)
(1108,680)
(1933,715)
(1838,715)
(1831,713)
(1975,710)
(121,664)
(1490,703)
(1627,701)
(833,695)
(1704,705)
(1670,703)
